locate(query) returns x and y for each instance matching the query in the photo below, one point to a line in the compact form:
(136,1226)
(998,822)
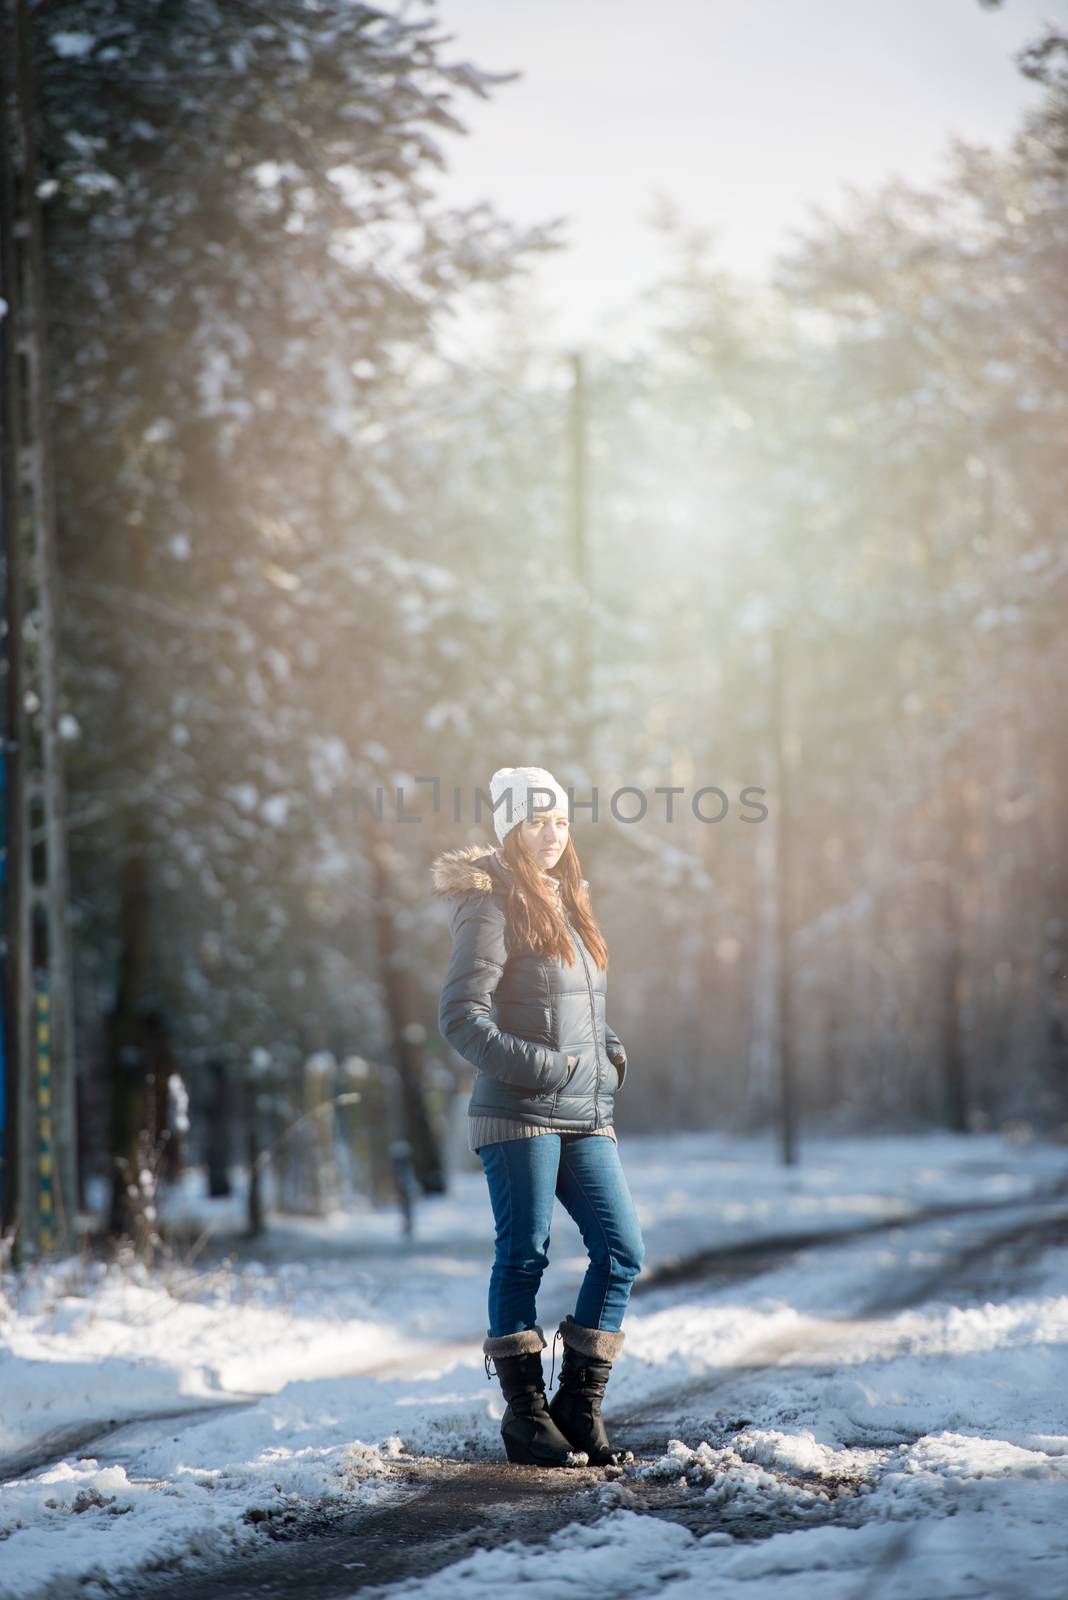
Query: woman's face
(545,836)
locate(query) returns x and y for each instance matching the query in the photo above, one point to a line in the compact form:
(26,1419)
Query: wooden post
(255,1218)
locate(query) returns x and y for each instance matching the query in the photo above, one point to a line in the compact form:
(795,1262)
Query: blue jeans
(524,1177)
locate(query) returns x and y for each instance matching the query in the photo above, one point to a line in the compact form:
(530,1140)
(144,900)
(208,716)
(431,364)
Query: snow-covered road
(882,1401)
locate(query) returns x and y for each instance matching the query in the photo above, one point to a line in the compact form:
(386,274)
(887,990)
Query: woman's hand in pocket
(574,1061)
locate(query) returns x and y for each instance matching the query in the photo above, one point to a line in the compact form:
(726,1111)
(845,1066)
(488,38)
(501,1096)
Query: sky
(743,113)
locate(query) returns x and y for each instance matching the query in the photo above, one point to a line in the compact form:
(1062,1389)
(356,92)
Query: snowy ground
(877,1393)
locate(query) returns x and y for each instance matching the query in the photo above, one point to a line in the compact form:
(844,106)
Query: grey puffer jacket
(517,1015)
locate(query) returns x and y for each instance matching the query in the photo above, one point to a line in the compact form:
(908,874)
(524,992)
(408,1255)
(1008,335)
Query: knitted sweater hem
(494,1130)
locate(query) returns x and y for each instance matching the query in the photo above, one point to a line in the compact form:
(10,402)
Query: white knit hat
(520,782)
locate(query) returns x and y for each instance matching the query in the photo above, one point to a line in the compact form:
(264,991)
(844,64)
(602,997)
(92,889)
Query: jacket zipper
(593,1022)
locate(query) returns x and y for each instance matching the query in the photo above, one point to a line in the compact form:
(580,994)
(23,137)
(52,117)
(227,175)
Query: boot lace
(552,1364)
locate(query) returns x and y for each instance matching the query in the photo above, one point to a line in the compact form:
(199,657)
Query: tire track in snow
(733,1263)
(686,1405)
(446,1509)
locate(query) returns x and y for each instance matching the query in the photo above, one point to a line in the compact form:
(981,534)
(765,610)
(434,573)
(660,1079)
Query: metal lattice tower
(39,1173)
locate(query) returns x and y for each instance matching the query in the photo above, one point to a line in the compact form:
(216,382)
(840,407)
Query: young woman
(524,1002)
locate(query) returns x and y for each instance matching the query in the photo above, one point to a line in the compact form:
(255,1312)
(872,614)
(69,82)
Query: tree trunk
(406,1031)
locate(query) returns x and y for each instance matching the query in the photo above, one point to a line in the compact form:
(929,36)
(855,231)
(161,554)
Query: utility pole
(582,638)
(39,1173)
(784,921)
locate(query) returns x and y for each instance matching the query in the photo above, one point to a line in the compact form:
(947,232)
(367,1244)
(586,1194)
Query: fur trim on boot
(603,1344)
(513,1344)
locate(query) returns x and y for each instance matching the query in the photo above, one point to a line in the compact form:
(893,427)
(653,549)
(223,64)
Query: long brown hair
(531,903)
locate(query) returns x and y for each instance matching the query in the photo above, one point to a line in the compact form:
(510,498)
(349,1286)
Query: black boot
(576,1405)
(530,1435)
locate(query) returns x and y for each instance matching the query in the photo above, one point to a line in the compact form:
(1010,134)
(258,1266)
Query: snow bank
(933,1439)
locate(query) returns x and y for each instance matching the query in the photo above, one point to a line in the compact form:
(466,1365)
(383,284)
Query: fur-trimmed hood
(456,871)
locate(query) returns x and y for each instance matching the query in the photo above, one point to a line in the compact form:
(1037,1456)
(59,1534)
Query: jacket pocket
(583,1077)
